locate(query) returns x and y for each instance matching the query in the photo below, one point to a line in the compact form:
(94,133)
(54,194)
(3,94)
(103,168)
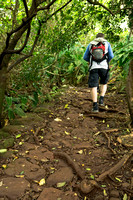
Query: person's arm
(86,56)
(110,52)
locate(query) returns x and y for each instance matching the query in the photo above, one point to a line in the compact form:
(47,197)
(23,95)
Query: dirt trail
(62,150)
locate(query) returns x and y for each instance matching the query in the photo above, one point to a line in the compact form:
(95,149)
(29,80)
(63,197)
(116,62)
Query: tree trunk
(129,91)
(3,76)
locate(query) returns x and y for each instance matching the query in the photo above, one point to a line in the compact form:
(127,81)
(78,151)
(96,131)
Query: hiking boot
(95,108)
(101,101)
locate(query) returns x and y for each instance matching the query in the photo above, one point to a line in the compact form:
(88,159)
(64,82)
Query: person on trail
(98,54)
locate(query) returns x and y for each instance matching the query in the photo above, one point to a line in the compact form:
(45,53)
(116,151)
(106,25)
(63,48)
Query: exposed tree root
(70,162)
(107,131)
(108,138)
(88,187)
(35,136)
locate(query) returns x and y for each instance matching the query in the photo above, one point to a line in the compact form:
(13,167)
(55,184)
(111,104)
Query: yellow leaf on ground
(66,106)
(6,122)
(67,133)
(19,176)
(61,184)
(4,166)
(58,119)
(104,192)
(80,151)
(42,182)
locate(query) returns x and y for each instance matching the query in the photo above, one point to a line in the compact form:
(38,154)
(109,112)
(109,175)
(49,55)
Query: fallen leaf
(52,168)
(118,179)
(128,130)
(104,192)
(6,122)
(67,133)
(61,184)
(42,182)
(66,106)
(19,176)
(15,158)
(44,160)
(88,169)
(125,197)
(92,177)
(103,186)
(58,119)
(1,183)
(4,166)
(20,143)
(3,150)
(80,151)
(18,136)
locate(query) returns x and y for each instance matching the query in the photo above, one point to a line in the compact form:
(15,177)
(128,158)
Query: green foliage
(38,79)
(69,67)
(14,109)
(123,52)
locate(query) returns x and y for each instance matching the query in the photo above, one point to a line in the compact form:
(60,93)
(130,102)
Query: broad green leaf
(19,111)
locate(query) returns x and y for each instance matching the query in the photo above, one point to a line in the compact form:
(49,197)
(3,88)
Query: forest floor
(63,151)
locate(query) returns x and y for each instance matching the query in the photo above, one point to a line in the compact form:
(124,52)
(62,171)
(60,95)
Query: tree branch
(24,23)
(14,13)
(43,21)
(26,8)
(46,7)
(99,4)
(30,53)
(6,51)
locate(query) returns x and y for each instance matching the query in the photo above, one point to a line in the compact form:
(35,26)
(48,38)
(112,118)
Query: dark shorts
(98,74)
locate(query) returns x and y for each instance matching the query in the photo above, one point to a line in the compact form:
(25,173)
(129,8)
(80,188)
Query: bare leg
(94,99)
(94,94)
(103,90)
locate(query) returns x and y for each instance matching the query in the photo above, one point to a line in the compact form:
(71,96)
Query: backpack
(98,52)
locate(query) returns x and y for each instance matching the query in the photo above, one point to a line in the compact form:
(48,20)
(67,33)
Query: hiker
(98,54)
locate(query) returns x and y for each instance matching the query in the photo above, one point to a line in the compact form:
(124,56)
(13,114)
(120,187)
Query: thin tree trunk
(3,77)
(129,91)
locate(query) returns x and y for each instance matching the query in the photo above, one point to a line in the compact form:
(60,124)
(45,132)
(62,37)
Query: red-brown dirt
(91,145)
